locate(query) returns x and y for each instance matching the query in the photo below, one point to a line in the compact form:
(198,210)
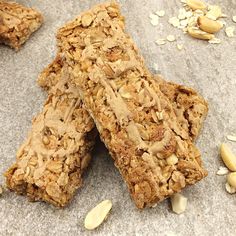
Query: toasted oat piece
(17,23)
(135,119)
(50,163)
(190,108)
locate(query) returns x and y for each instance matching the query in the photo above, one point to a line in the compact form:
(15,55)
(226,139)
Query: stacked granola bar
(147,124)
(17,23)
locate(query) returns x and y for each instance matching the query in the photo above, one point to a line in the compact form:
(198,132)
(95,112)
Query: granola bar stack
(148,125)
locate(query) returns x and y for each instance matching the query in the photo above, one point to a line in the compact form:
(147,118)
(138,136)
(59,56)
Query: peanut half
(231,179)
(199,34)
(228,157)
(196,4)
(208,25)
(179,203)
(97,215)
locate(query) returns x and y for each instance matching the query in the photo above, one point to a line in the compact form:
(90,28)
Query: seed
(231,138)
(97,215)
(196,4)
(208,25)
(230,189)
(231,178)
(234,19)
(214,13)
(179,203)
(171,38)
(230,31)
(196,33)
(228,157)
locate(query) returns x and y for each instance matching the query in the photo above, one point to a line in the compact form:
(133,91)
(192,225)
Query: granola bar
(190,108)
(17,23)
(135,119)
(50,163)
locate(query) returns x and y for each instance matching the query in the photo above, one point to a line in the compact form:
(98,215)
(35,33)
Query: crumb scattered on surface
(160,41)
(222,171)
(230,31)
(171,38)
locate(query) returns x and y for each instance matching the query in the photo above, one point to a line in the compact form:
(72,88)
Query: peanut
(228,157)
(179,203)
(208,25)
(231,179)
(97,215)
(196,33)
(196,4)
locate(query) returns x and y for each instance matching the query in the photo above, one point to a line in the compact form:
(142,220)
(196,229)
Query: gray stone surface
(210,69)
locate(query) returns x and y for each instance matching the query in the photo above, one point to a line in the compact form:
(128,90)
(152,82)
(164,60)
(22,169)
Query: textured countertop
(210,69)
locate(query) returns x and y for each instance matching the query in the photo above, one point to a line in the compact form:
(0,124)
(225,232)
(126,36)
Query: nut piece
(97,215)
(222,171)
(196,33)
(230,189)
(231,179)
(214,13)
(208,25)
(234,19)
(215,41)
(196,4)
(179,203)
(231,138)
(87,20)
(228,157)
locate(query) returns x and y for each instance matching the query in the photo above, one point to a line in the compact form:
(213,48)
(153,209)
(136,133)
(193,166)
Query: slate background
(210,69)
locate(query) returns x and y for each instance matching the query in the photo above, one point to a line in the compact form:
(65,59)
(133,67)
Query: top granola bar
(190,108)
(17,23)
(134,118)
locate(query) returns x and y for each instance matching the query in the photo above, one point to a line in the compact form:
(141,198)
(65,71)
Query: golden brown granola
(17,23)
(50,163)
(135,119)
(190,108)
